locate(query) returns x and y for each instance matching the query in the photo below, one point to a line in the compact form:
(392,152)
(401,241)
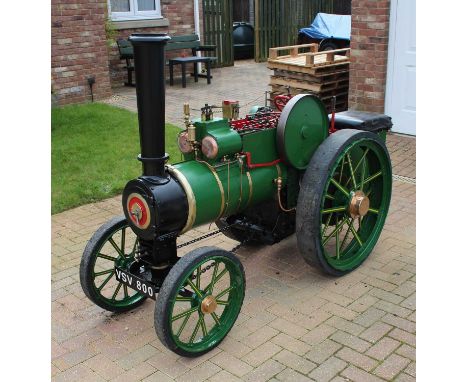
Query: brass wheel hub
(359,204)
(208,305)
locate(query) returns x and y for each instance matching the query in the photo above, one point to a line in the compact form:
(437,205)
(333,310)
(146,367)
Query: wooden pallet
(309,62)
(320,79)
(306,85)
(284,89)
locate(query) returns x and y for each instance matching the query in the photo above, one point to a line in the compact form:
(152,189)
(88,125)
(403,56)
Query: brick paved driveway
(296,324)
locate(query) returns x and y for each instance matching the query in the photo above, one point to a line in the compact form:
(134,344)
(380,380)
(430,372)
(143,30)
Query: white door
(400,98)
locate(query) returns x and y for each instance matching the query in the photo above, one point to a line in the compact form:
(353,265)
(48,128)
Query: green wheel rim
(116,250)
(347,239)
(190,328)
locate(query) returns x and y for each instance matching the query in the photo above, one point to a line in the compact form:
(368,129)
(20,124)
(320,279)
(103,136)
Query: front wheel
(199,301)
(344,200)
(113,244)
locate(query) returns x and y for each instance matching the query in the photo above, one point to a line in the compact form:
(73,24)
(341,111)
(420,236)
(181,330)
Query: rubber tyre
(170,289)
(93,247)
(328,45)
(308,218)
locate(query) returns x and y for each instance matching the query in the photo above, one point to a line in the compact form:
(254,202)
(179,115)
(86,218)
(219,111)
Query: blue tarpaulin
(326,25)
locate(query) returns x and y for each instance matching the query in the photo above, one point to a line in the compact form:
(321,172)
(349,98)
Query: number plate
(136,283)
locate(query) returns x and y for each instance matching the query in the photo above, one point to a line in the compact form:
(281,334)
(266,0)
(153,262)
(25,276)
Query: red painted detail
(144,212)
(281,100)
(332,129)
(267,120)
(228,102)
(250,165)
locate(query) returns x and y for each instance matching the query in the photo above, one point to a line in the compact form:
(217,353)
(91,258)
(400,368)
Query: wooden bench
(191,41)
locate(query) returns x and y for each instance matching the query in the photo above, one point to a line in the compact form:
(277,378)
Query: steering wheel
(280,101)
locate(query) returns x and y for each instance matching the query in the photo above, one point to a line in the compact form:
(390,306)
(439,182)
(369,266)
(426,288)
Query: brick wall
(369,45)
(180,16)
(79,50)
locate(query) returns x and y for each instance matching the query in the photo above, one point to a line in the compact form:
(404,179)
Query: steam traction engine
(260,179)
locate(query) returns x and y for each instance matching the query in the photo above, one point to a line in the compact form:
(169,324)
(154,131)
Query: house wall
(79,50)
(369,50)
(177,13)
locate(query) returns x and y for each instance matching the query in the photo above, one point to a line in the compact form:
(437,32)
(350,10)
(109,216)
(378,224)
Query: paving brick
(137,356)
(224,376)
(352,373)
(168,364)
(158,376)
(403,336)
(401,323)
(383,348)
(261,354)
(264,372)
(351,341)
(411,369)
(338,310)
(289,328)
(393,309)
(328,369)
(105,367)
(375,332)
(322,351)
(392,297)
(345,325)
(200,373)
(403,377)
(233,347)
(363,303)
(407,352)
(259,337)
(294,361)
(369,317)
(231,364)
(356,358)
(138,373)
(319,334)
(292,344)
(289,375)
(410,302)
(392,366)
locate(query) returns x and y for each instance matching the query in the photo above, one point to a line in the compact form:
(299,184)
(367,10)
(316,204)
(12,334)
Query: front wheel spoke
(334,209)
(125,291)
(203,326)
(192,337)
(222,293)
(371,178)
(198,277)
(326,225)
(122,241)
(107,257)
(195,289)
(353,230)
(215,318)
(217,278)
(116,247)
(187,312)
(103,272)
(337,244)
(345,237)
(179,332)
(337,228)
(134,246)
(215,271)
(340,187)
(105,281)
(373,210)
(116,291)
(352,171)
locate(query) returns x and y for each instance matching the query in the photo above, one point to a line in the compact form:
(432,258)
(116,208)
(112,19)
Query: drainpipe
(196,22)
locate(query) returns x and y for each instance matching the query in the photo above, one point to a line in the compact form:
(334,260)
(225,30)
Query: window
(134,9)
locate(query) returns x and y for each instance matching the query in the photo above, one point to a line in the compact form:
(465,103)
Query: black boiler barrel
(148,52)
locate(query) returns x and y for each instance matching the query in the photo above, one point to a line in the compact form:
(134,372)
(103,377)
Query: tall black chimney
(148,51)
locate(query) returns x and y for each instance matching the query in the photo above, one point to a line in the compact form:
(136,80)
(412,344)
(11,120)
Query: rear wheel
(113,244)
(199,301)
(343,201)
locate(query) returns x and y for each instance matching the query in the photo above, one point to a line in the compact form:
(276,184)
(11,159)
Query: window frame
(134,13)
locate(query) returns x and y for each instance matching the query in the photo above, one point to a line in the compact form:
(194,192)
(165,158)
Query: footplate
(137,283)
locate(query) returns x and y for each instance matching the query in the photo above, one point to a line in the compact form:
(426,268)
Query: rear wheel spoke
(182,326)
(352,171)
(194,333)
(355,234)
(371,178)
(340,187)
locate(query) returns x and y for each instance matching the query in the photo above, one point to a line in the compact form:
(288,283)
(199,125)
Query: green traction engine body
(260,179)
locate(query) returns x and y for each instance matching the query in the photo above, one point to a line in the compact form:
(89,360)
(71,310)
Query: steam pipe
(148,52)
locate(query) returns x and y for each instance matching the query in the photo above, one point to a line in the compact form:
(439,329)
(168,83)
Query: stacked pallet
(323,74)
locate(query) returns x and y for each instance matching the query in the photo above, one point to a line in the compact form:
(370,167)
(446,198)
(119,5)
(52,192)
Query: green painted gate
(277,22)
(217,21)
